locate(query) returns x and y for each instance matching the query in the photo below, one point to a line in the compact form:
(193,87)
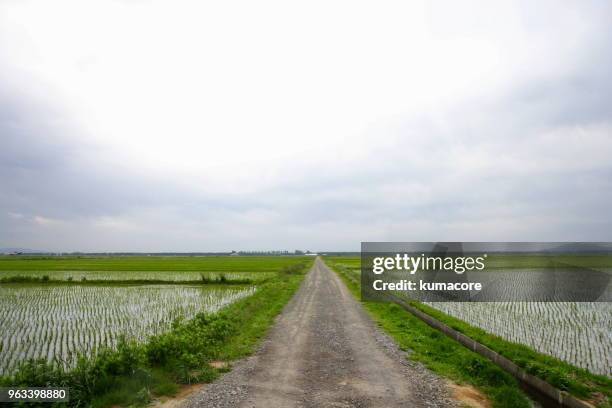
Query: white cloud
(193,86)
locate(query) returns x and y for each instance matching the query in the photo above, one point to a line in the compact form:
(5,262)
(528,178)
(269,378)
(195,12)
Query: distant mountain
(583,247)
(20,250)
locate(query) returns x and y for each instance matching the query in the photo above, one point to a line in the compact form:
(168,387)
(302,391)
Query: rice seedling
(579,333)
(57,322)
(134,276)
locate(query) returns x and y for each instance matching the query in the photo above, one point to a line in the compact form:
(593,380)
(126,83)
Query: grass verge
(133,374)
(596,389)
(204,280)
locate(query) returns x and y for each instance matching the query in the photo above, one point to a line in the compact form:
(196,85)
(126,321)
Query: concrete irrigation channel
(546,394)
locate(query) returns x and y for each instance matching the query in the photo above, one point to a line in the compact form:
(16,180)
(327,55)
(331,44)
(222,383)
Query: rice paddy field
(147,263)
(59,322)
(136,276)
(77,305)
(579,333)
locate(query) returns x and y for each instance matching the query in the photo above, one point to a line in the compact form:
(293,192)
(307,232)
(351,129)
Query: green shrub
(508,397)
(294,269)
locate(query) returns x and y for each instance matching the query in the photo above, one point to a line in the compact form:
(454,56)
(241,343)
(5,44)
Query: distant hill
(583,247)
(20,250)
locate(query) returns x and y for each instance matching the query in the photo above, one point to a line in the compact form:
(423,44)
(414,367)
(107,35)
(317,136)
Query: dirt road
(324,351)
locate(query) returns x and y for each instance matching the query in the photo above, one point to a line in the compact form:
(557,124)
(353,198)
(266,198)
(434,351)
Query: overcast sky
(202,126)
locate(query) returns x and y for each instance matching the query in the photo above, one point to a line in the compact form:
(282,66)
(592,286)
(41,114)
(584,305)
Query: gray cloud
(527,163)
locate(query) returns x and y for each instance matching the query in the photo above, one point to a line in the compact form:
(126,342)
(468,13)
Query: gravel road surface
(324,351)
